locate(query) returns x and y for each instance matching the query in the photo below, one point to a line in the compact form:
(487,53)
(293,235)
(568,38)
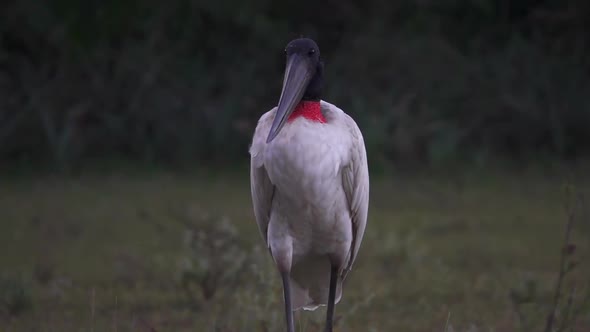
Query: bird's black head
(303,80)
(305,47)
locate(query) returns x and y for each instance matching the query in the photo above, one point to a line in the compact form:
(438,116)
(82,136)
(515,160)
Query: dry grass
(442,252)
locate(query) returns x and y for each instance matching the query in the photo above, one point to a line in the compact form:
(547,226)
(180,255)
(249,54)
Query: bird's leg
(331,299)
(288,305)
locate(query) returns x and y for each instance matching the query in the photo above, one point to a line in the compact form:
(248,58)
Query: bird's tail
(310,283)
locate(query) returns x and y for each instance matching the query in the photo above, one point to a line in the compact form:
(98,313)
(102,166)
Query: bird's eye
(311,51)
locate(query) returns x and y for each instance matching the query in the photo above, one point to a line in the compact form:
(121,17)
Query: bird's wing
(262,189)
(355,181)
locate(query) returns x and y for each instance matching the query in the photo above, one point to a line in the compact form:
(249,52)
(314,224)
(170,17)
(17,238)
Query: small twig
(568,310)
(563,269)
(448,320)
(115,314)
(92,308)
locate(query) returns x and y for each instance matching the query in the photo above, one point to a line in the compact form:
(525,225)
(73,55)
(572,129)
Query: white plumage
(310,192)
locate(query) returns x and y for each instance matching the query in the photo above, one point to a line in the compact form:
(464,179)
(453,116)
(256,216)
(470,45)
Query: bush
(15,296)
(221,274)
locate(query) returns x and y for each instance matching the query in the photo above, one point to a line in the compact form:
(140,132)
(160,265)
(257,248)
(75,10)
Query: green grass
(107,252)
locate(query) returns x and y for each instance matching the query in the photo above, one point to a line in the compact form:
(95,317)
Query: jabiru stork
(309,186)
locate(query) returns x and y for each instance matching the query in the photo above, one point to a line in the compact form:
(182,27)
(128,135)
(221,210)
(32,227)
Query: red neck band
(309,110)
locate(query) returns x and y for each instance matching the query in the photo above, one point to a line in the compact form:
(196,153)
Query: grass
(113,252)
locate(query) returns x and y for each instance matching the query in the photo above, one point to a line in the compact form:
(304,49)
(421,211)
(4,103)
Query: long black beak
(298,73)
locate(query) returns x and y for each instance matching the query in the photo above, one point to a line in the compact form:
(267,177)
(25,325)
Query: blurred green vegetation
(185,80)
(464,251)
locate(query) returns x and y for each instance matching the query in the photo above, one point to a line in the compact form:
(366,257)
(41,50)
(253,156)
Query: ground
(167,251)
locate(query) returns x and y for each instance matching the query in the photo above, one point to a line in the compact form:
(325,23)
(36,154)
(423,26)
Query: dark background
(124,184)
(179,82)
